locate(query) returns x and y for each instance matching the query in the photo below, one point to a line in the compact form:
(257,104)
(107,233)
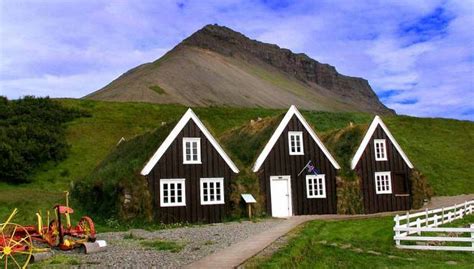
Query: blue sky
(417,55)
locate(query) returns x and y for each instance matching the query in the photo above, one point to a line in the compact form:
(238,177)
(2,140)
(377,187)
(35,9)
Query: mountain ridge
(219,66)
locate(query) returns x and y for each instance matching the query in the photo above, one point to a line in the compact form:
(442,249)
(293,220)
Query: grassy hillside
(439,148)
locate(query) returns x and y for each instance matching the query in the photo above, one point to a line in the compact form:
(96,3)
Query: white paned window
(315,186)
(380,150)
(295,143)
(383,183)
(172,192)
(191,150)
(212,191)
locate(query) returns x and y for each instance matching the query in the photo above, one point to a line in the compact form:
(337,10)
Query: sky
(417,55)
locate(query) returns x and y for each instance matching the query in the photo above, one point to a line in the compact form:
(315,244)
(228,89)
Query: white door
(280,191)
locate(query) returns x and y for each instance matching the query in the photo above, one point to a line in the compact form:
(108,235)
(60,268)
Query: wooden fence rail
(428,221)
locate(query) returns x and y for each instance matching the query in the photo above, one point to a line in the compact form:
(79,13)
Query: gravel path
(199,241)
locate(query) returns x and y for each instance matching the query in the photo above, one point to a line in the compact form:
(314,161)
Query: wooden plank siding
(366,168)
(279,162)
(171,166)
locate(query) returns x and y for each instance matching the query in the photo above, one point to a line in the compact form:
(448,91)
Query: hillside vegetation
(32,132)
(440,148)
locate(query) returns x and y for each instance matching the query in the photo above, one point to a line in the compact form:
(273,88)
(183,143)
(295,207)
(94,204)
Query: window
(172,192)
(380,150)
(315,186)
(383,183)
(191,150)
(212,191)
(295,142)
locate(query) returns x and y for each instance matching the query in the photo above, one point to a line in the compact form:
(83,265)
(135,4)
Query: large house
(384,170)
(189,175)
(297,173)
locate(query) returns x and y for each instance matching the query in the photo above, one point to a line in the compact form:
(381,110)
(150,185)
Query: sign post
(249,200)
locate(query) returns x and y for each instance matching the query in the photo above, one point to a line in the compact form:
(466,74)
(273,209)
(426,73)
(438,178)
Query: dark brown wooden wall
(280,162)
(366,169)
(171,166)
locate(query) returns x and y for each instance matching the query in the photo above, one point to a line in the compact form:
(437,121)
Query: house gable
(293,111)
(377,122)
(188,116)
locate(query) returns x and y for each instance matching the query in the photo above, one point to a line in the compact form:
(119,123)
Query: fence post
(455,211)
(397,232)
(435,220)
(418,225)
(408,220)
(465,208)
(472,237)
(449,216)
(426,217)
(442,216)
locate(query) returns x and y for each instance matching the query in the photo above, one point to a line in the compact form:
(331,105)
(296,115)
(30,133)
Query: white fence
(428,221)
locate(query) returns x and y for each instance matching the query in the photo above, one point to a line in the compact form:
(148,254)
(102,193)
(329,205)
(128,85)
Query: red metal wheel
(86,229)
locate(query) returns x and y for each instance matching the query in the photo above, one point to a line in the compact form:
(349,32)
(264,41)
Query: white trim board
(189,115)
(284,122)
(373,126)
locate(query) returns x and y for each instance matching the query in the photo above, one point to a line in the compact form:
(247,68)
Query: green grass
(57,261)
(157,89)
(346,244)
(162,245)
(440,148)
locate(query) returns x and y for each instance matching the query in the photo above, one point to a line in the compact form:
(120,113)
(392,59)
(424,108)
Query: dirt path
(445,201)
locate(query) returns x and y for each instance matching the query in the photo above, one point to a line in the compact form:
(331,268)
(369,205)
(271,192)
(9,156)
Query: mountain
(218,66)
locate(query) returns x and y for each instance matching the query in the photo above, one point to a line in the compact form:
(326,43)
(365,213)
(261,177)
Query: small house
(384,170)
(189,175)
(297,173)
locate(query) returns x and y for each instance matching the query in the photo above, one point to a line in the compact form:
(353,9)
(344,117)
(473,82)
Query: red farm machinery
(18,243)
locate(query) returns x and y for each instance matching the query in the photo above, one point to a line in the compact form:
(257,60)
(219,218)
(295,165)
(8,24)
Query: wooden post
(426,217)
(455,209)
(397,232)
(472,237)
(408,220)
(435,220)
(442,216)
(250,211)
(418,225)
(465,208)
(449,216)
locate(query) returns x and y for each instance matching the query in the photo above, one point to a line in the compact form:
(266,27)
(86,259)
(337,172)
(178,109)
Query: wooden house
(189,175)
(282,168)
(384,170)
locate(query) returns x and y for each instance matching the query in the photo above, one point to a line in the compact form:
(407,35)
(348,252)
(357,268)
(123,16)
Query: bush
(349,197)
(32,132)
(420,189)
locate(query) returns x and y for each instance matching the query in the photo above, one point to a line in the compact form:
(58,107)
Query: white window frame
(383,153)
(213,180)
(168,181)
(386,187)
(191,140)
(320,180)
(295,134)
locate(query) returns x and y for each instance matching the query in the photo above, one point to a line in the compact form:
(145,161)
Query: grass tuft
(162,245)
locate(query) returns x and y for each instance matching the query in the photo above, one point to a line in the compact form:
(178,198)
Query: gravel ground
(199,241)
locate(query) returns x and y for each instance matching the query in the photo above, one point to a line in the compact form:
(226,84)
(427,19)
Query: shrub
(32,132)
(420,189)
